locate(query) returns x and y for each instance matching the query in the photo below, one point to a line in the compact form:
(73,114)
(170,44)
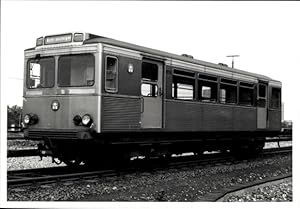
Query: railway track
(20,178)
(221,195)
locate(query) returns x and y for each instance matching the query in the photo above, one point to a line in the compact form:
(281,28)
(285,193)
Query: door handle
(160,93)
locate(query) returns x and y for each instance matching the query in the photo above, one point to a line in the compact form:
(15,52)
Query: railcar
(95,99)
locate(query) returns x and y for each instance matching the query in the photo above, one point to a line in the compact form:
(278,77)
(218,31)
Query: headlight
(26,119)
(30,119)
(86,120)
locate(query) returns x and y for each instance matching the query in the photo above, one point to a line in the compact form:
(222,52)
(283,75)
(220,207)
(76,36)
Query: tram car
(95,99)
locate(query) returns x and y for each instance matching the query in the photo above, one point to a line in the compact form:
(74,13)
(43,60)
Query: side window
(228,91)
(183,87)
(111,74)
(207,88)
(246,94)
(275,98)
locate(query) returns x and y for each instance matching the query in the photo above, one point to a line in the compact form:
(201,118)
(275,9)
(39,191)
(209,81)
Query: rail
(19,178)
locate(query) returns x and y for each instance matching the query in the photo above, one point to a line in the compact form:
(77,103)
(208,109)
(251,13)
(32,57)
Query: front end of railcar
(61,106)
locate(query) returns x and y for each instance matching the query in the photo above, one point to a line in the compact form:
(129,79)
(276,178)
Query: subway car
(97,100)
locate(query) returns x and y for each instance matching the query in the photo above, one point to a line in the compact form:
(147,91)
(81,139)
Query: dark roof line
(100,39)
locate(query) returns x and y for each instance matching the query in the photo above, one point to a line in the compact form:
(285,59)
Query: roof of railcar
(100,39)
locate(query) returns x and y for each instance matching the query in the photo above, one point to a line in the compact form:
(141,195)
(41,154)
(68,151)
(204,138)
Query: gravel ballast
(189,184)
(281,191)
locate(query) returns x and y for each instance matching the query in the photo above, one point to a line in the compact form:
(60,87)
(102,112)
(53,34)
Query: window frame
(265,93)
(184,75)
(262,102)
(157,71)
(28,72)
(246,85)
(109,90)
(271,98)
(205,78)
(228,82)
(70,55)
(152,84)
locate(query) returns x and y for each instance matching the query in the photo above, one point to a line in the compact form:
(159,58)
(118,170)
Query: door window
(149,86)
(149,90)
(262,93)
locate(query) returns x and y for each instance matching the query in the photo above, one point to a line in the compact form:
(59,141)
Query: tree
(14,115)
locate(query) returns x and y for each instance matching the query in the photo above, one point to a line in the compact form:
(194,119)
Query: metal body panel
(244,118)
(274,119)
(261,118)
(151,116)
(176,59)
(195,116)
(70,105)
(77,48)
(262,111)
(129,83)
(121,113)
(73,100)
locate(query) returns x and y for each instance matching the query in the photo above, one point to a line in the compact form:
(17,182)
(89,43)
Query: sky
(265,35)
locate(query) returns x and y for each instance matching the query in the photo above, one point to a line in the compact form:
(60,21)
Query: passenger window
(183,88)
(206,92)
(207,88)
(228,92)
(275,98)
(111,74)
(246,94)
(222,95)
(149,90)
(184,91)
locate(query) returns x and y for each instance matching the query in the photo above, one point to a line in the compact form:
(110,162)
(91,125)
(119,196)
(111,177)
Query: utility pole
(233,59)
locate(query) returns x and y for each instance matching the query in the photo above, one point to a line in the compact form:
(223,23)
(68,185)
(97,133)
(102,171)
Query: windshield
(40,73)
(76,70)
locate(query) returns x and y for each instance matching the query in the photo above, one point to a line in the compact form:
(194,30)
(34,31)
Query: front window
(40,73)
(76,70)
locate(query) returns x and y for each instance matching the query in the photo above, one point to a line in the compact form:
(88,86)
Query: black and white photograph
(138,104)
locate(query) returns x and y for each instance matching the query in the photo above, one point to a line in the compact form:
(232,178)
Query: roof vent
(187,55)
(222,64)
